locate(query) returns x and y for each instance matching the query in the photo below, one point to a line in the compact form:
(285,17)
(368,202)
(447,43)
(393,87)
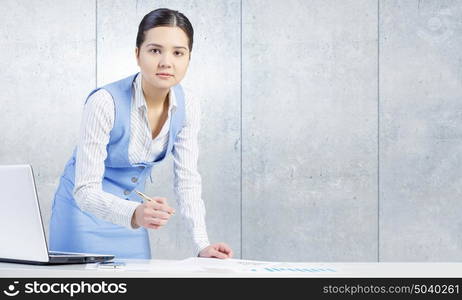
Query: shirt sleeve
(187,180)
(97,122)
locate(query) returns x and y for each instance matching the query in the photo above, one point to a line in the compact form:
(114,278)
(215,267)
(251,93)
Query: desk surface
(196,267)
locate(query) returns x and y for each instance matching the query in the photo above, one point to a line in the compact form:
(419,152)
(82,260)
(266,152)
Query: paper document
(207,265)
(254,266)
(163,266)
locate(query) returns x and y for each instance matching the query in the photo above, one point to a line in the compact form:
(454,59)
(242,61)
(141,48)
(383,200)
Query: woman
(128,127)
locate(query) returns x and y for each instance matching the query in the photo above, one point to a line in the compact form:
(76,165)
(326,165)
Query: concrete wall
(331,130)
(420,131)
(310,130)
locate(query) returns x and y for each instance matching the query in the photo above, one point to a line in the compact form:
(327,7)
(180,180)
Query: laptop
(22,235)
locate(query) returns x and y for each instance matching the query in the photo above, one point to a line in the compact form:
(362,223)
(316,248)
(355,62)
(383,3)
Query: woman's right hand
(152,214)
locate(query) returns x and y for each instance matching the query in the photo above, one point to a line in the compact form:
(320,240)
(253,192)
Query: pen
(147,198)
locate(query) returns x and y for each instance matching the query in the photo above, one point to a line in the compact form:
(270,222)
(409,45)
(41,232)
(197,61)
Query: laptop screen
(22,234)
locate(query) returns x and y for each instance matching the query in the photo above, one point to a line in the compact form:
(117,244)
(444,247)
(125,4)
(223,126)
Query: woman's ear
(137,55)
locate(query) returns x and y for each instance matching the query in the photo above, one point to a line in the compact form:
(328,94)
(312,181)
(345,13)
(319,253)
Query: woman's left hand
(219,250)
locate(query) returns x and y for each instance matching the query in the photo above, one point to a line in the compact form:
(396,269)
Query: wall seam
(378,130)
(96,43)
(240,111)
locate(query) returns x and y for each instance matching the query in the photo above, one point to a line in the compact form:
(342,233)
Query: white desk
(171,268)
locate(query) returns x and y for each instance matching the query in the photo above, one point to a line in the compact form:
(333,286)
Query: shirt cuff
(123,214)
(201,245)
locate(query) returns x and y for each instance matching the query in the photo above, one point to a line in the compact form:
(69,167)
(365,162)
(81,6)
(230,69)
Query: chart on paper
(293,269)
(236,265)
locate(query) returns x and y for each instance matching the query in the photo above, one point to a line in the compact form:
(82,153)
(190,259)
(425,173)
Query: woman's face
(163,57)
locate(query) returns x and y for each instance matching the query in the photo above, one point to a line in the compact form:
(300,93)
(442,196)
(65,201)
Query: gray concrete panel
(421,130)
(309,76)
(47,51)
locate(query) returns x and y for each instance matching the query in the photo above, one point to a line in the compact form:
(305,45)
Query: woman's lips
(164,75)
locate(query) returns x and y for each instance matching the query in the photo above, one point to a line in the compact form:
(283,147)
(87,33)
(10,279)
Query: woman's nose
(165,61)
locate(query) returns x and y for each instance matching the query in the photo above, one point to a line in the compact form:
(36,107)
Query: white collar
(140,101)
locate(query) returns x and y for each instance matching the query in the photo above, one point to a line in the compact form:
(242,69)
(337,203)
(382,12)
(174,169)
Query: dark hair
(164,17)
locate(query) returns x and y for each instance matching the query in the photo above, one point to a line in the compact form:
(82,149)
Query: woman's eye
(178,53)
(154,50)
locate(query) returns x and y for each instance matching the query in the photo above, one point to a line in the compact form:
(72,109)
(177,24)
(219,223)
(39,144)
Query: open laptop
(22,236)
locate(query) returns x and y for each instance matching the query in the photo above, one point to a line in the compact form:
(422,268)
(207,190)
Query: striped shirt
(97,122)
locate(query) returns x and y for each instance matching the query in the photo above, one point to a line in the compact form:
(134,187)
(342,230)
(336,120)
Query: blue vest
(75,230)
